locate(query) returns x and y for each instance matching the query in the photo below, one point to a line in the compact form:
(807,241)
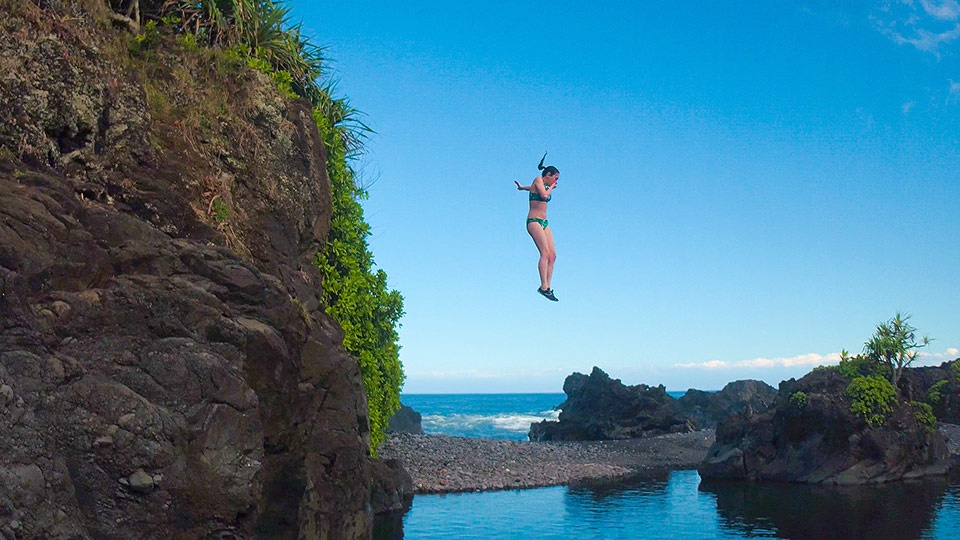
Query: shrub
(356,295)
(873,398)
(221,211)
(955,369)
(144,45)
(924,414)
(851,367)
(798,401)
(935,392)
(895,345)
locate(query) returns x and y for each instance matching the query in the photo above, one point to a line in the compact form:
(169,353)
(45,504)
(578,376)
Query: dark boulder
(811,435)
(405,420)
(601,408)
(708,408)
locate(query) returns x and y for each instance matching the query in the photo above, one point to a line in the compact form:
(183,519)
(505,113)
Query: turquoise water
(663,508)
(680,506)
(676,505)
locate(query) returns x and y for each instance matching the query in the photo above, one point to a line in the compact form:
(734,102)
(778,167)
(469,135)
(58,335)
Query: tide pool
(672,506)
(679,506)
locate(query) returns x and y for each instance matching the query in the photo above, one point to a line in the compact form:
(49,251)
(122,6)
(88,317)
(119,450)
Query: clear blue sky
(746,188)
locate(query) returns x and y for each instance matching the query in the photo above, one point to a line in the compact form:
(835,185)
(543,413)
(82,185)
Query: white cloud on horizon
(927,357)
(810,359)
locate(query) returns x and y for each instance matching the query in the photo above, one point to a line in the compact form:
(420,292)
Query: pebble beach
(443,464)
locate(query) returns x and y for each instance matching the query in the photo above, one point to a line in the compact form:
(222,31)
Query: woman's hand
(521,188)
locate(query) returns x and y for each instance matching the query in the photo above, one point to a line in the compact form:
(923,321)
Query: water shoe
(548,294)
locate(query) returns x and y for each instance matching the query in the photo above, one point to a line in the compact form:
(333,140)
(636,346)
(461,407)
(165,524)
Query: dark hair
(549,169)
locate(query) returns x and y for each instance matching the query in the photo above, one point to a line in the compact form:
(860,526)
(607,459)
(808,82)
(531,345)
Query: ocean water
(675,505)
(489,416)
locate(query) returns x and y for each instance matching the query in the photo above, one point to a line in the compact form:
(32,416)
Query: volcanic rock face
(708,408)
(163,374)
(601,408)
(939,386)
(817,439)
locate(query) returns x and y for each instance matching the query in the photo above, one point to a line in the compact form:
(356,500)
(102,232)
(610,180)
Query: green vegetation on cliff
(256,34)
(357,295)
(873,398)
(875,374)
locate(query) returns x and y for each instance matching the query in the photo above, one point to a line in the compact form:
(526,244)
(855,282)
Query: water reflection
(602,489)
(896,510)
(678,505)
(665,506)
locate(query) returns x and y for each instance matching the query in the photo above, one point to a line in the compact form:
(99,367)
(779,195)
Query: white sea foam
(484,425)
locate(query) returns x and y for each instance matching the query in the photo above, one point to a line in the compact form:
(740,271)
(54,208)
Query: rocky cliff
(166,368)
(810,434)
(709,408)
(937,385)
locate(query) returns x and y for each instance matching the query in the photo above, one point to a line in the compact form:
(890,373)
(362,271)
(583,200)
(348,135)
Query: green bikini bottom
(543,223)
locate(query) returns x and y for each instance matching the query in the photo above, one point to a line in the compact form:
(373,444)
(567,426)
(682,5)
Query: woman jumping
(541,191)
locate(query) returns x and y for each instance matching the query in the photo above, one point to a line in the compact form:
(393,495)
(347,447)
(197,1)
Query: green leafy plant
(935,392)
(873,398)
(924,414)
(851,367)
(355,293)
(798,400)
(895,345)
(145,43)
(221,211)
(169,20)
(261,29)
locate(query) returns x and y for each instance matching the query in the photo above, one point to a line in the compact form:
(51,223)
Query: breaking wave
(494,426)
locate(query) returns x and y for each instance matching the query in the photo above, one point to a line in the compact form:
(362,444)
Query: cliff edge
(166,366)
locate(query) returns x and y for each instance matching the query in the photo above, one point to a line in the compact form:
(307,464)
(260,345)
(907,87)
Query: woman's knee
(551,256)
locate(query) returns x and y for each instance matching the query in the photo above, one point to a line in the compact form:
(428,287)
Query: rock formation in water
(709,408)
(166,367)
(811,435)
(405,420)
(600,408)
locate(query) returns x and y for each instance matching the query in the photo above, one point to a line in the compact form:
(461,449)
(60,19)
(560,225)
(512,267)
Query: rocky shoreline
(442,464)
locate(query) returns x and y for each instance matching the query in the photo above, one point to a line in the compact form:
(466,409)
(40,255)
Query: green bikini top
(534,196)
